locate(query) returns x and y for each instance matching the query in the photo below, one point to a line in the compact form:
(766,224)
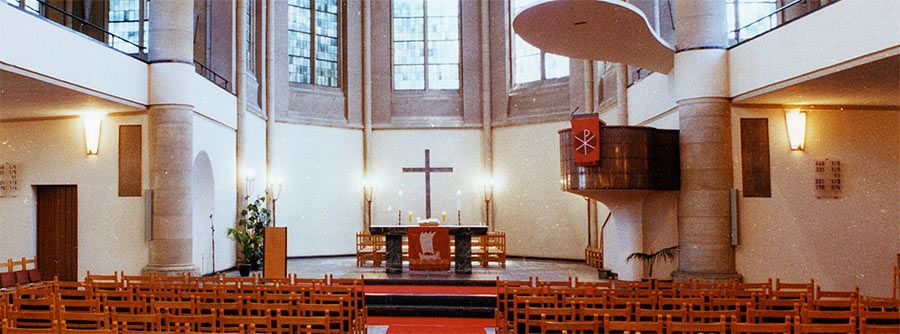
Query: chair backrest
(738,327)
(145,322)
(720,326)
(570,327)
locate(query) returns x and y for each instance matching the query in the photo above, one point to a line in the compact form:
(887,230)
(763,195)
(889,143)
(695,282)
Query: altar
(394,244)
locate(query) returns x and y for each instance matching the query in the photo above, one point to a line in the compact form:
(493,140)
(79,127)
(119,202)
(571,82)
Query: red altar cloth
(429,248)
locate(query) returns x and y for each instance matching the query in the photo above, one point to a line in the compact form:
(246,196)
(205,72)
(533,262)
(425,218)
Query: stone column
(701,81)
(170,120)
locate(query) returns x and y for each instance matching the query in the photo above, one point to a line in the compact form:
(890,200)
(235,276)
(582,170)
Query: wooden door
(57,231)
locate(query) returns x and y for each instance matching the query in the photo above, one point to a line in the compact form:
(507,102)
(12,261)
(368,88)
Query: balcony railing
(211,75)
(60,16)
(787,13)
(49,12)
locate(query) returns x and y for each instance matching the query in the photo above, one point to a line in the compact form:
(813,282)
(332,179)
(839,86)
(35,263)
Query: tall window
(742,13)
(250,37)
(125,18)
(308,18)
(426,44)
(528,62)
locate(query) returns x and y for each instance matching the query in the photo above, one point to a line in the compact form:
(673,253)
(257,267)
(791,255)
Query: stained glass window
(528,62)
(314,60)
(125,18)
(425,44)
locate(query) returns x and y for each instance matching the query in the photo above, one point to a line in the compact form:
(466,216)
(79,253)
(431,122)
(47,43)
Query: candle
(443,216)
(410,216)
(458,200)
(400,195)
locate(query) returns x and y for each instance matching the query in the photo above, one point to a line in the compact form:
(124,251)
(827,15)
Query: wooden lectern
(275,254)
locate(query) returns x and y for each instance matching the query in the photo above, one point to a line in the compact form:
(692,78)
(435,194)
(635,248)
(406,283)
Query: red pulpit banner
(586,139)
(429,248)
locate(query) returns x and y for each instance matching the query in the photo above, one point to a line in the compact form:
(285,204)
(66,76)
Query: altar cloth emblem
(429,248)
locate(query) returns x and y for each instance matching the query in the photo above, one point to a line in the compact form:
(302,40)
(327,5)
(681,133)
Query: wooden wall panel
(130,181)
(755,168)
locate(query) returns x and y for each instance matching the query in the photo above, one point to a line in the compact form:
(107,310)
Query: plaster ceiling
(596,30)
(875,83)
(24,96)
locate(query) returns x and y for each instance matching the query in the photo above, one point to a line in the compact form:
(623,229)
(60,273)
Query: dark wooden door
(57,232)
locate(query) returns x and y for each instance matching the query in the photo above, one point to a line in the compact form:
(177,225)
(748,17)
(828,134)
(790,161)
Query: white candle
(458,200)
(400,195)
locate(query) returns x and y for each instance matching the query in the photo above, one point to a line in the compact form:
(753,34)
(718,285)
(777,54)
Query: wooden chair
(84,320)
(879,321)
(303,325)
(812,321)
(233,323)
(784,290)
(144,322)
(754,328)
(570,327)
(369,247)
(196,323)
(612,326)
(8,327)
(697,327)
(494,249)
(756,316)
(535,316)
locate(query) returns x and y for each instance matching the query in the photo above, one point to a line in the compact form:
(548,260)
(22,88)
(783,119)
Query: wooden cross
(427,170)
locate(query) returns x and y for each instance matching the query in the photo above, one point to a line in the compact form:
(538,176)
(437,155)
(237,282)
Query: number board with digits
(9,180)
(829,182)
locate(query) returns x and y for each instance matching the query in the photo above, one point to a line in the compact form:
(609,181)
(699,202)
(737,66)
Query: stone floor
(516,269)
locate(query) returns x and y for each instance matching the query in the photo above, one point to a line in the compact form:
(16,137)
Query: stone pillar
(170,119)
(701,81)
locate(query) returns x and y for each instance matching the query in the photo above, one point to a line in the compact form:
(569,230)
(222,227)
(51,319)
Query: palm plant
(667,254)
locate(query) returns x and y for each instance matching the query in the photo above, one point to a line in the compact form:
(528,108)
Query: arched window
(528,62)
(425,44)
(313,47)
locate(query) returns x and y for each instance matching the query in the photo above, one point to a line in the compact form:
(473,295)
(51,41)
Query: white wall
(255,154)
(460,149)
(321,199)
(842,242)
(214,189)
(539,219)
(110,228)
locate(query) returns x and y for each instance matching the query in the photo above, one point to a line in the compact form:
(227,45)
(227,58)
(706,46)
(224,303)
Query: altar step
(431,305)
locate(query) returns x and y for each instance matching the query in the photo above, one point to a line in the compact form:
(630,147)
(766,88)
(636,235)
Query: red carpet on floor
(403,325)
(432,289)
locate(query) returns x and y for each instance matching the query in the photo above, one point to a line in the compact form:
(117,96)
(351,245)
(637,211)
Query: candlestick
(399,217)
(458,217)
(443,217)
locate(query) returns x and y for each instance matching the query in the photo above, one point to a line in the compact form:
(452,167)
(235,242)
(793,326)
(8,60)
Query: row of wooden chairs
(18,273)
(188,304)
(525,305)
(486,249)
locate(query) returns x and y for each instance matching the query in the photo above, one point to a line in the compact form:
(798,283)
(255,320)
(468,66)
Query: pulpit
(275,252)
(462,235)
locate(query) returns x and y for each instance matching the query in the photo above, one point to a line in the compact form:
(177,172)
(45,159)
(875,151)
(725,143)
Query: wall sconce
(92,123)
(796,127)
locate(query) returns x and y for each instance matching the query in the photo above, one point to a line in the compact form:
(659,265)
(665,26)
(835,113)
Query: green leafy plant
(248,232)
(666,254)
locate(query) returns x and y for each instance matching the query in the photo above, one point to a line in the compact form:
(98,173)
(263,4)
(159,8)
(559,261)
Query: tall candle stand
(458,217)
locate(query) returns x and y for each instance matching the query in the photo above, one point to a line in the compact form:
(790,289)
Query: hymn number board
(9,180)
(828,178)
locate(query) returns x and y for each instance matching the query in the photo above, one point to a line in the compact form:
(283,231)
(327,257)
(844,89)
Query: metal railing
(55,14)
(779,21)
(211,75)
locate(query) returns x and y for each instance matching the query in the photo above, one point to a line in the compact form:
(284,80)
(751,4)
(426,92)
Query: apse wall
(392,150)
(52,152)
(842,242)
(321,196)
(539,219)
(213,196)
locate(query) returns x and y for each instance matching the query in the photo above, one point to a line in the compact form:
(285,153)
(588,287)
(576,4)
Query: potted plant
(248,233)
(666,254)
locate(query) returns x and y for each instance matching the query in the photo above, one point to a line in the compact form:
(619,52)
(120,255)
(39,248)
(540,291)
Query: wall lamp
(92,123)
(796,127)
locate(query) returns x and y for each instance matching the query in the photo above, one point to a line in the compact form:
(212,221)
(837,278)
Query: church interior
(449,166)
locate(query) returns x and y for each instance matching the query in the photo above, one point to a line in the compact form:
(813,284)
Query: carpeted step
(431,305)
